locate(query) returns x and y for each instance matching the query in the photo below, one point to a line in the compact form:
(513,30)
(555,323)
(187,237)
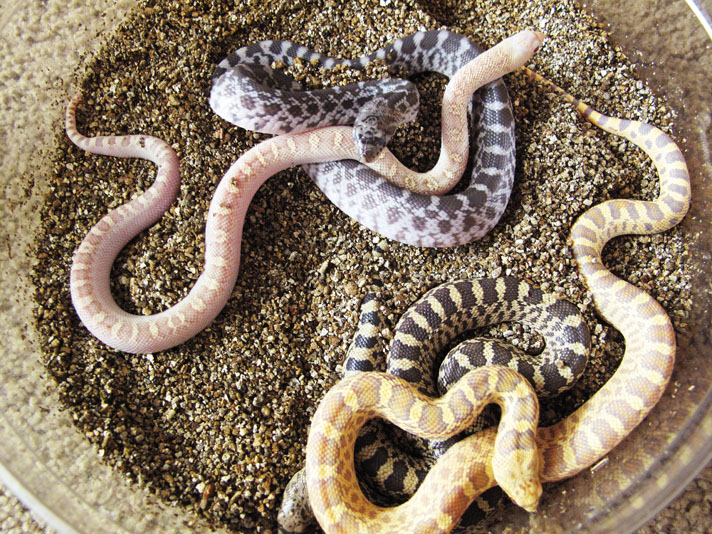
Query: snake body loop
(366,395)
(91,267)
(384,195)
(387,466)
(577,441)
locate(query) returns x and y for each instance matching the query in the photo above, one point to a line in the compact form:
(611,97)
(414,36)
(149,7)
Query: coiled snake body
(385,186)
(422,332)
(387,209)
(565,448)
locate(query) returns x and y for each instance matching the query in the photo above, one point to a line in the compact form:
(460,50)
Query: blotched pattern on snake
(91,267)
(392,471)
(384,195)
(473,464)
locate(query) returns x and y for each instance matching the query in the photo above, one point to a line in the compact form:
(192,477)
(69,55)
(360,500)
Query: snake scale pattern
(391,471)
(473,464)
(390,210)
(242,93)
(518,456)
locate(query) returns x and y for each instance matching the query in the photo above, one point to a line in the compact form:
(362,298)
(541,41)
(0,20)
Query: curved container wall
(58,474)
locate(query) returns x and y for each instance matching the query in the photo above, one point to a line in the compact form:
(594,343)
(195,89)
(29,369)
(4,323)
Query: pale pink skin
(92,262)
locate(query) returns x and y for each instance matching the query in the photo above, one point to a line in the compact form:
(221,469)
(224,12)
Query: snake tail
(625,400)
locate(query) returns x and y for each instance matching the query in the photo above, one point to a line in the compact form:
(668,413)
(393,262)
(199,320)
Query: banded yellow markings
(471,396)
(135,331)
(221,236)
(212,284)
(523,425)
(198,304)
(338,139)
(653,376)
(220,262)
(416,411)
(409,339)
(455,296)
(128,208)
(233,187)
(260,157)
(445,521)
(659,319)
(86,301)
(617,425)
(329,431)
(223,210)
(334,513)
(385,392)
(448,416)
(327,471)
(393,171)
(437,307)
(411,480)
(351,399)
(246,170)
(402,364)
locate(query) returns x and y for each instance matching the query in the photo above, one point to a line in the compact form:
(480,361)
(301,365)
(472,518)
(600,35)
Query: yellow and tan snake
(390,465)
(91,266)
(565,448)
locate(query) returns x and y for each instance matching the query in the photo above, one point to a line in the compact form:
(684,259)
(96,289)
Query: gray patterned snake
(248,92)
(91,267)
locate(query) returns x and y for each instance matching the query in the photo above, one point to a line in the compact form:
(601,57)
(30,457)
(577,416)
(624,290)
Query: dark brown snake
(392,471)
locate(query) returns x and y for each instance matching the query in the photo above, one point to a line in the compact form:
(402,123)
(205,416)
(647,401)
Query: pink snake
(92,262)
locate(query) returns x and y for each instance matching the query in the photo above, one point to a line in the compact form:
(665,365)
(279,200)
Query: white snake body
(91,267)
(375,195)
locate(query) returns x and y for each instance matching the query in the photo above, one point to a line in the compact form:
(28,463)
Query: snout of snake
(597,426)
(387,465)
(91,266)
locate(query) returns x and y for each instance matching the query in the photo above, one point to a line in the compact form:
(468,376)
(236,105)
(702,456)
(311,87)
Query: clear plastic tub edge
(58,474)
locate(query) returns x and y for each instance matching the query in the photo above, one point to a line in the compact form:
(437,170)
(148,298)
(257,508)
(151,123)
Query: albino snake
(248,92)
(91,267)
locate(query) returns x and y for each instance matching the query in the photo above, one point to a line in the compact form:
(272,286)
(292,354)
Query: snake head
(520,47)
(371,135)
(381,115)
(519,476)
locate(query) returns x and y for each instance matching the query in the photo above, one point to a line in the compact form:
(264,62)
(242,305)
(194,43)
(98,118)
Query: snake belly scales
(388,209)
(535,456)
